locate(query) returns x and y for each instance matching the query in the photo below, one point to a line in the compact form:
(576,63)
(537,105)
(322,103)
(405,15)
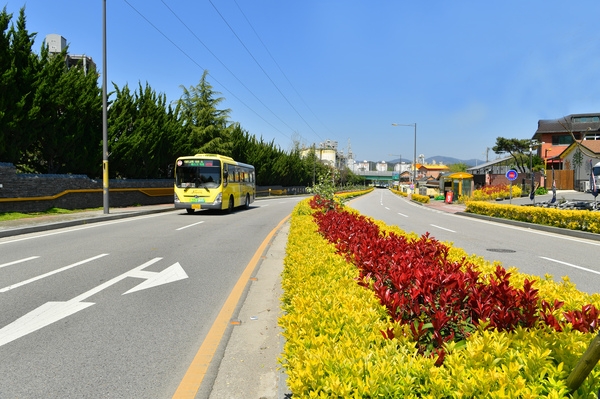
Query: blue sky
(466,72)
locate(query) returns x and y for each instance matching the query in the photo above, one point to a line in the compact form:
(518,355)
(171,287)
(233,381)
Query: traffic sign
(512,175)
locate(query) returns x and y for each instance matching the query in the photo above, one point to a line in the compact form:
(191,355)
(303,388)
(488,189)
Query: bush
(583,220)
(490,193)
(342,340)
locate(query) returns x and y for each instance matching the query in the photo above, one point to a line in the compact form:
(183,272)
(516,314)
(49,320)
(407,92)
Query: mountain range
(443,160)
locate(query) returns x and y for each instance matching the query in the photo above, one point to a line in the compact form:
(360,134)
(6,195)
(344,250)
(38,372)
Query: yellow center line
(190,384)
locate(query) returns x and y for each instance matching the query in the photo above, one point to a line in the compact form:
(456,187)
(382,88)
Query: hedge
(337,342)
(583,220)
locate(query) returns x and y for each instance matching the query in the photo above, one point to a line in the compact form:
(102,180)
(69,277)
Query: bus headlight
(176,198)
(219,198)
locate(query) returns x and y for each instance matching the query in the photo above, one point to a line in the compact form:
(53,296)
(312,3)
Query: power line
(260,66)
(197,64)
(223,64)
(281,70)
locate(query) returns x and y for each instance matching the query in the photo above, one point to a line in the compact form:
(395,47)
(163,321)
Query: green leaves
(339,342)
(441,300)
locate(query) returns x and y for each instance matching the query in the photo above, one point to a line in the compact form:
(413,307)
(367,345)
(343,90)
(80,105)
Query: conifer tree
(66,117)
(142,130)
(206,126)
(18,67)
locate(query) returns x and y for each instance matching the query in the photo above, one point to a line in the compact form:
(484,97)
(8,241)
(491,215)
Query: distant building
(328,153)
(56,44)
(381,166)
(363,166)
(432,170)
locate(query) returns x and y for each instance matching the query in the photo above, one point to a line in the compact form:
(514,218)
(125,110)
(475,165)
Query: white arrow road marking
(51,312)
(18,261)
(62,269)
(172,273)
(43,316)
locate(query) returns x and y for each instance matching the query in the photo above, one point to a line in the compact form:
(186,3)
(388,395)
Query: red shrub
(440,300)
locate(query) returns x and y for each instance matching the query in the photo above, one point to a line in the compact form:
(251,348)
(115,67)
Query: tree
(207,129)
(519,150)
(142,132)
(18,68)
(458,167)
(66,118)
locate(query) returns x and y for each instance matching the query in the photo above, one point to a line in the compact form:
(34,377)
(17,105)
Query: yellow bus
(211,181)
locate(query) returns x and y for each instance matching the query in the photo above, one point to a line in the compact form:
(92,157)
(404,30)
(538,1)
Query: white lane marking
(386,208)
(18,261)
(62,269)
(401,214)
(51,312)
(189,225)
(571,265)
(85,227)
(530,230)
(443,228)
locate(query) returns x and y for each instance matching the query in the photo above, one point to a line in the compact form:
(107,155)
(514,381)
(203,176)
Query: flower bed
(583,220)
(375,312)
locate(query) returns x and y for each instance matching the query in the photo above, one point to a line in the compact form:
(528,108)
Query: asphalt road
(532,251)
(119,309)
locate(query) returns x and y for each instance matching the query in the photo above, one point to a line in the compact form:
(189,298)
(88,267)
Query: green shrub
(583,220)
(334,346)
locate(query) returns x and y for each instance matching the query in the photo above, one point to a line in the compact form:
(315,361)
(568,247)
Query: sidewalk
(50,222)
(445,207)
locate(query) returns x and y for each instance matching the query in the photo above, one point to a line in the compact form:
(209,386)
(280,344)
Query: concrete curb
(550,229)
(84,218)
(250,367)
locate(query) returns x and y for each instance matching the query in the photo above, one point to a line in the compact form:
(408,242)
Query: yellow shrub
(334,346)
(569,219)
(424,199)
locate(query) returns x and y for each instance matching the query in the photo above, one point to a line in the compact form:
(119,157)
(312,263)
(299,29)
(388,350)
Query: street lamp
(105,180)
(414,176)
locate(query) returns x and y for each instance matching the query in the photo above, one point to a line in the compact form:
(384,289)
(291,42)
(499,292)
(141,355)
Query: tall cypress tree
(206,126)
(18,67)
(142,132)
(66,116)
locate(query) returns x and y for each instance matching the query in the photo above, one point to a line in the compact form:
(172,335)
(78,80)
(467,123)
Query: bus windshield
(198,173)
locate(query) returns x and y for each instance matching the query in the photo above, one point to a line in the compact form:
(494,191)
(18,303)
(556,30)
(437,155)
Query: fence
(20,192)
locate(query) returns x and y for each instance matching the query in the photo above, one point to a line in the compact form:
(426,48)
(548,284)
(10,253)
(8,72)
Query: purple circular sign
(512,175)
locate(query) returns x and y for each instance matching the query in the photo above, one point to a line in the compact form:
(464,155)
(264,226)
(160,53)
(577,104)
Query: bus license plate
(196,206)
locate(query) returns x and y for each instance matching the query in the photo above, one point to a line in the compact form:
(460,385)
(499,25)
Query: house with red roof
(568,144)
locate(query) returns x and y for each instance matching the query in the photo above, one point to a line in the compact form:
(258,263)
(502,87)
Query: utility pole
(104,116)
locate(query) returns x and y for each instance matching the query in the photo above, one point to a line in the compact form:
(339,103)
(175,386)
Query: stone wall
(21,192)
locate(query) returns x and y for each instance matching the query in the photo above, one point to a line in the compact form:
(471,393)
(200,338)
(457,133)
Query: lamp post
(105,180)
(414,176)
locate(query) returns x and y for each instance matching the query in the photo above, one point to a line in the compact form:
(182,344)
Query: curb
(85,219)
(549,229)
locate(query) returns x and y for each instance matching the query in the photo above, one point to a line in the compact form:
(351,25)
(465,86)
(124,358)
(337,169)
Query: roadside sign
(512,175)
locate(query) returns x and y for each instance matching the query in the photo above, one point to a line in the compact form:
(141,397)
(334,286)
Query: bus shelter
(460,183)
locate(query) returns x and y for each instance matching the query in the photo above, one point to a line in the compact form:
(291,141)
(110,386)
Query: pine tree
(206,127)
(142,132)
(18,67)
